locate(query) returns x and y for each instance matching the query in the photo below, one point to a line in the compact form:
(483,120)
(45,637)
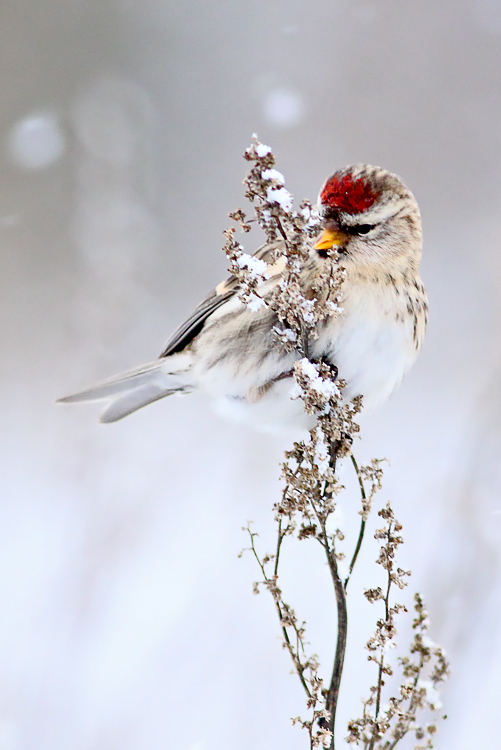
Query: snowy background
(126,618)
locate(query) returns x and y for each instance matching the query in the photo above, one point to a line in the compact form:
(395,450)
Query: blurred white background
(126,619)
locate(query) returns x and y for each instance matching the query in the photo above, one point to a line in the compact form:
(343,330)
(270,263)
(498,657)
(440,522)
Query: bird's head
(371,218)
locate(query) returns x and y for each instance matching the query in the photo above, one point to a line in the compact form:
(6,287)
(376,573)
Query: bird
(231,352)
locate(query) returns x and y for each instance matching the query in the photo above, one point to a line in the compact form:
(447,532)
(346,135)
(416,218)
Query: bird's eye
(361,228)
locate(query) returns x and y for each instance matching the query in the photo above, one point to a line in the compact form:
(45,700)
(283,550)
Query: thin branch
(342,632)
(280,539)
(342,614)
(380,681)
(362,523)
(295,657)
(280,228)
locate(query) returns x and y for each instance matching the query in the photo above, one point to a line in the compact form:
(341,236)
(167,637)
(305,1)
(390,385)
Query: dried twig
(363,523)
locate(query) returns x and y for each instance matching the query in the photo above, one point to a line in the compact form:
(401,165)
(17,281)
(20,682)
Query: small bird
(231,352)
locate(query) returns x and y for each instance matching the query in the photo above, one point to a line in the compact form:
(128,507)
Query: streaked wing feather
(223,292)
(191,327)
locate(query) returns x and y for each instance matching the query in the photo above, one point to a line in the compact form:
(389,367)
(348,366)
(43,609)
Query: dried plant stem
(342,632)
(380,681)
(362,523)
(332,696)
(280,228)
(280,539)
(342,616)
(318,504)
(272,585)
(342,611)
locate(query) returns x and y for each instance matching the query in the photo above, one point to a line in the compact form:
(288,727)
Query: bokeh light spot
(36,141)
(283,108)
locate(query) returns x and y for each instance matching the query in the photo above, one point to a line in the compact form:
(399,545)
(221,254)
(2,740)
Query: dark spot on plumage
(391,280)
(409,303)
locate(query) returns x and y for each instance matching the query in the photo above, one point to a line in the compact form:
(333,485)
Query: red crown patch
(349,194)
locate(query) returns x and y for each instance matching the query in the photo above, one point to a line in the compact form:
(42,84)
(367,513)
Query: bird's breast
(372,344)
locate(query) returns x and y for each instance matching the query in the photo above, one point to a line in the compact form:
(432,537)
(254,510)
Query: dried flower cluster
(382,729)
(306,509)
(298,311)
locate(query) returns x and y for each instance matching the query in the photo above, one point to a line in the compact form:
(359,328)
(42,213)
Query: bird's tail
(134,389)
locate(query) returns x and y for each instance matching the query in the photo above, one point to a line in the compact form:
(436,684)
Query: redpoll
(231,351)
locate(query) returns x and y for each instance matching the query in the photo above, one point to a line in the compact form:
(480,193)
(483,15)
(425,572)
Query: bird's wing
(221,294)
(192,327)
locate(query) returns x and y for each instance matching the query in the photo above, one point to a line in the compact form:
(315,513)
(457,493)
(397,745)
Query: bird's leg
(332,367)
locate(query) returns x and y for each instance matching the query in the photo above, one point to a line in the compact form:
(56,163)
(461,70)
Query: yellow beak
(329,238)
